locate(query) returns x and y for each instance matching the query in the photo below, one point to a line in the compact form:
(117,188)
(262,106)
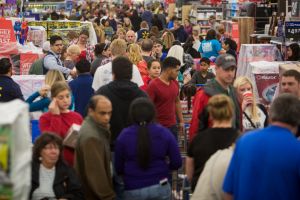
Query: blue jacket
(82,92)
(9,89)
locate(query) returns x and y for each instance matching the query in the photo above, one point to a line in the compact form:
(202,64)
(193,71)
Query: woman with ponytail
(144,154)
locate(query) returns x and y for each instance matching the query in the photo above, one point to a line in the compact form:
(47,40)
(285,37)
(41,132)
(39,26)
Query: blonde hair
(135,53)
(243,80)
(118,47)
(168,39)
(121,30)
(73,49)
(58,87)
(53,76)
(220,108)
(129,27)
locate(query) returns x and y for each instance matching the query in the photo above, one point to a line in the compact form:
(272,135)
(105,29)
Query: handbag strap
(249,119)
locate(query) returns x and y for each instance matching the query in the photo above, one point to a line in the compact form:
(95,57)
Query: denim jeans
(174,130)
(154,192)
(117,181)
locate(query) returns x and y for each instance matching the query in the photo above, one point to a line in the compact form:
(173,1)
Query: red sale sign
(8,43)
(26,60)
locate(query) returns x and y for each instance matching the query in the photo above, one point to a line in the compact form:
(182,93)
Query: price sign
(292,30)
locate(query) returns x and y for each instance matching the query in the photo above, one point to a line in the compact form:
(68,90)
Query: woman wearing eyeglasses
(51,177)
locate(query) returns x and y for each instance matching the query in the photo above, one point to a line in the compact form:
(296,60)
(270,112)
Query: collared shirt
(52,62)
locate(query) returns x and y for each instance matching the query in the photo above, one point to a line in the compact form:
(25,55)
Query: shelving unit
(199,17)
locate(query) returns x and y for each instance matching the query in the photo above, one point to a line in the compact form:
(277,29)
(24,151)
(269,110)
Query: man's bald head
(100,109)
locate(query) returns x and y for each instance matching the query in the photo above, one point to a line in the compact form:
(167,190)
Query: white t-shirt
(103,76)
(261,119)
(209,185)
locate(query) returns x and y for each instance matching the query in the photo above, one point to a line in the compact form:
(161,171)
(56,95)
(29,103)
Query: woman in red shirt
(59,118)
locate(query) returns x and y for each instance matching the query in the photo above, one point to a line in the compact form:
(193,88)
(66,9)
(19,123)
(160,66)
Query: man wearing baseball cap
(221,84)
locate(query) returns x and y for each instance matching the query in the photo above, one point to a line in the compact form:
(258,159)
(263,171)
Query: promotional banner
(266,86)
(26,60)
(8,44)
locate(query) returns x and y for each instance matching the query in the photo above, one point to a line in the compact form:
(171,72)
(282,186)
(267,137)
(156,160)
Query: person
(167,39)
(103,74)
(154,33)
(130,37)
(293,52)
(146,47)
(221,135)
(127,24)
(141,152)
(59,118)
(135,20)
(51,177)
(157,52)
(112,21)
(73,52)
(81,86)
(52,60)
(230,47)
(121,32)
(221,84)
(170,25)
(213,22)
(190,45)
(143,33)
(157,22)
(37,67)
(154,69)
(187,94)
(85,47)
(147,16)
(164,92)
(42,104)
(179,32)
(210,47)
(92,152)
(9,89)
(135,56)
(186,61)
(101,51)
(253,115)
(109,31)
(290,82)
(121,92)
(209,185)
(203,75)
(276,149)
(188,28)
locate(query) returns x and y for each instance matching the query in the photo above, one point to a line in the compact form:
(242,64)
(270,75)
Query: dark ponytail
(142,112)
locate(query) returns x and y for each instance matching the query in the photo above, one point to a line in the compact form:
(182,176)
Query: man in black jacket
(121,92)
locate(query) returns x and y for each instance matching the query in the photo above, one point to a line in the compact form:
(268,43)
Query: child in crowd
(109,31)
(187,93)
(203,75)
(154,69)
(43,102)
(59,118)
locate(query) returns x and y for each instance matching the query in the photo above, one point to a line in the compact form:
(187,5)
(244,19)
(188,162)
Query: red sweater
(60,125)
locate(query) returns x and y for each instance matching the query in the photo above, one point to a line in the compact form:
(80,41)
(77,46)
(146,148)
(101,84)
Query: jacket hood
(124,89)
